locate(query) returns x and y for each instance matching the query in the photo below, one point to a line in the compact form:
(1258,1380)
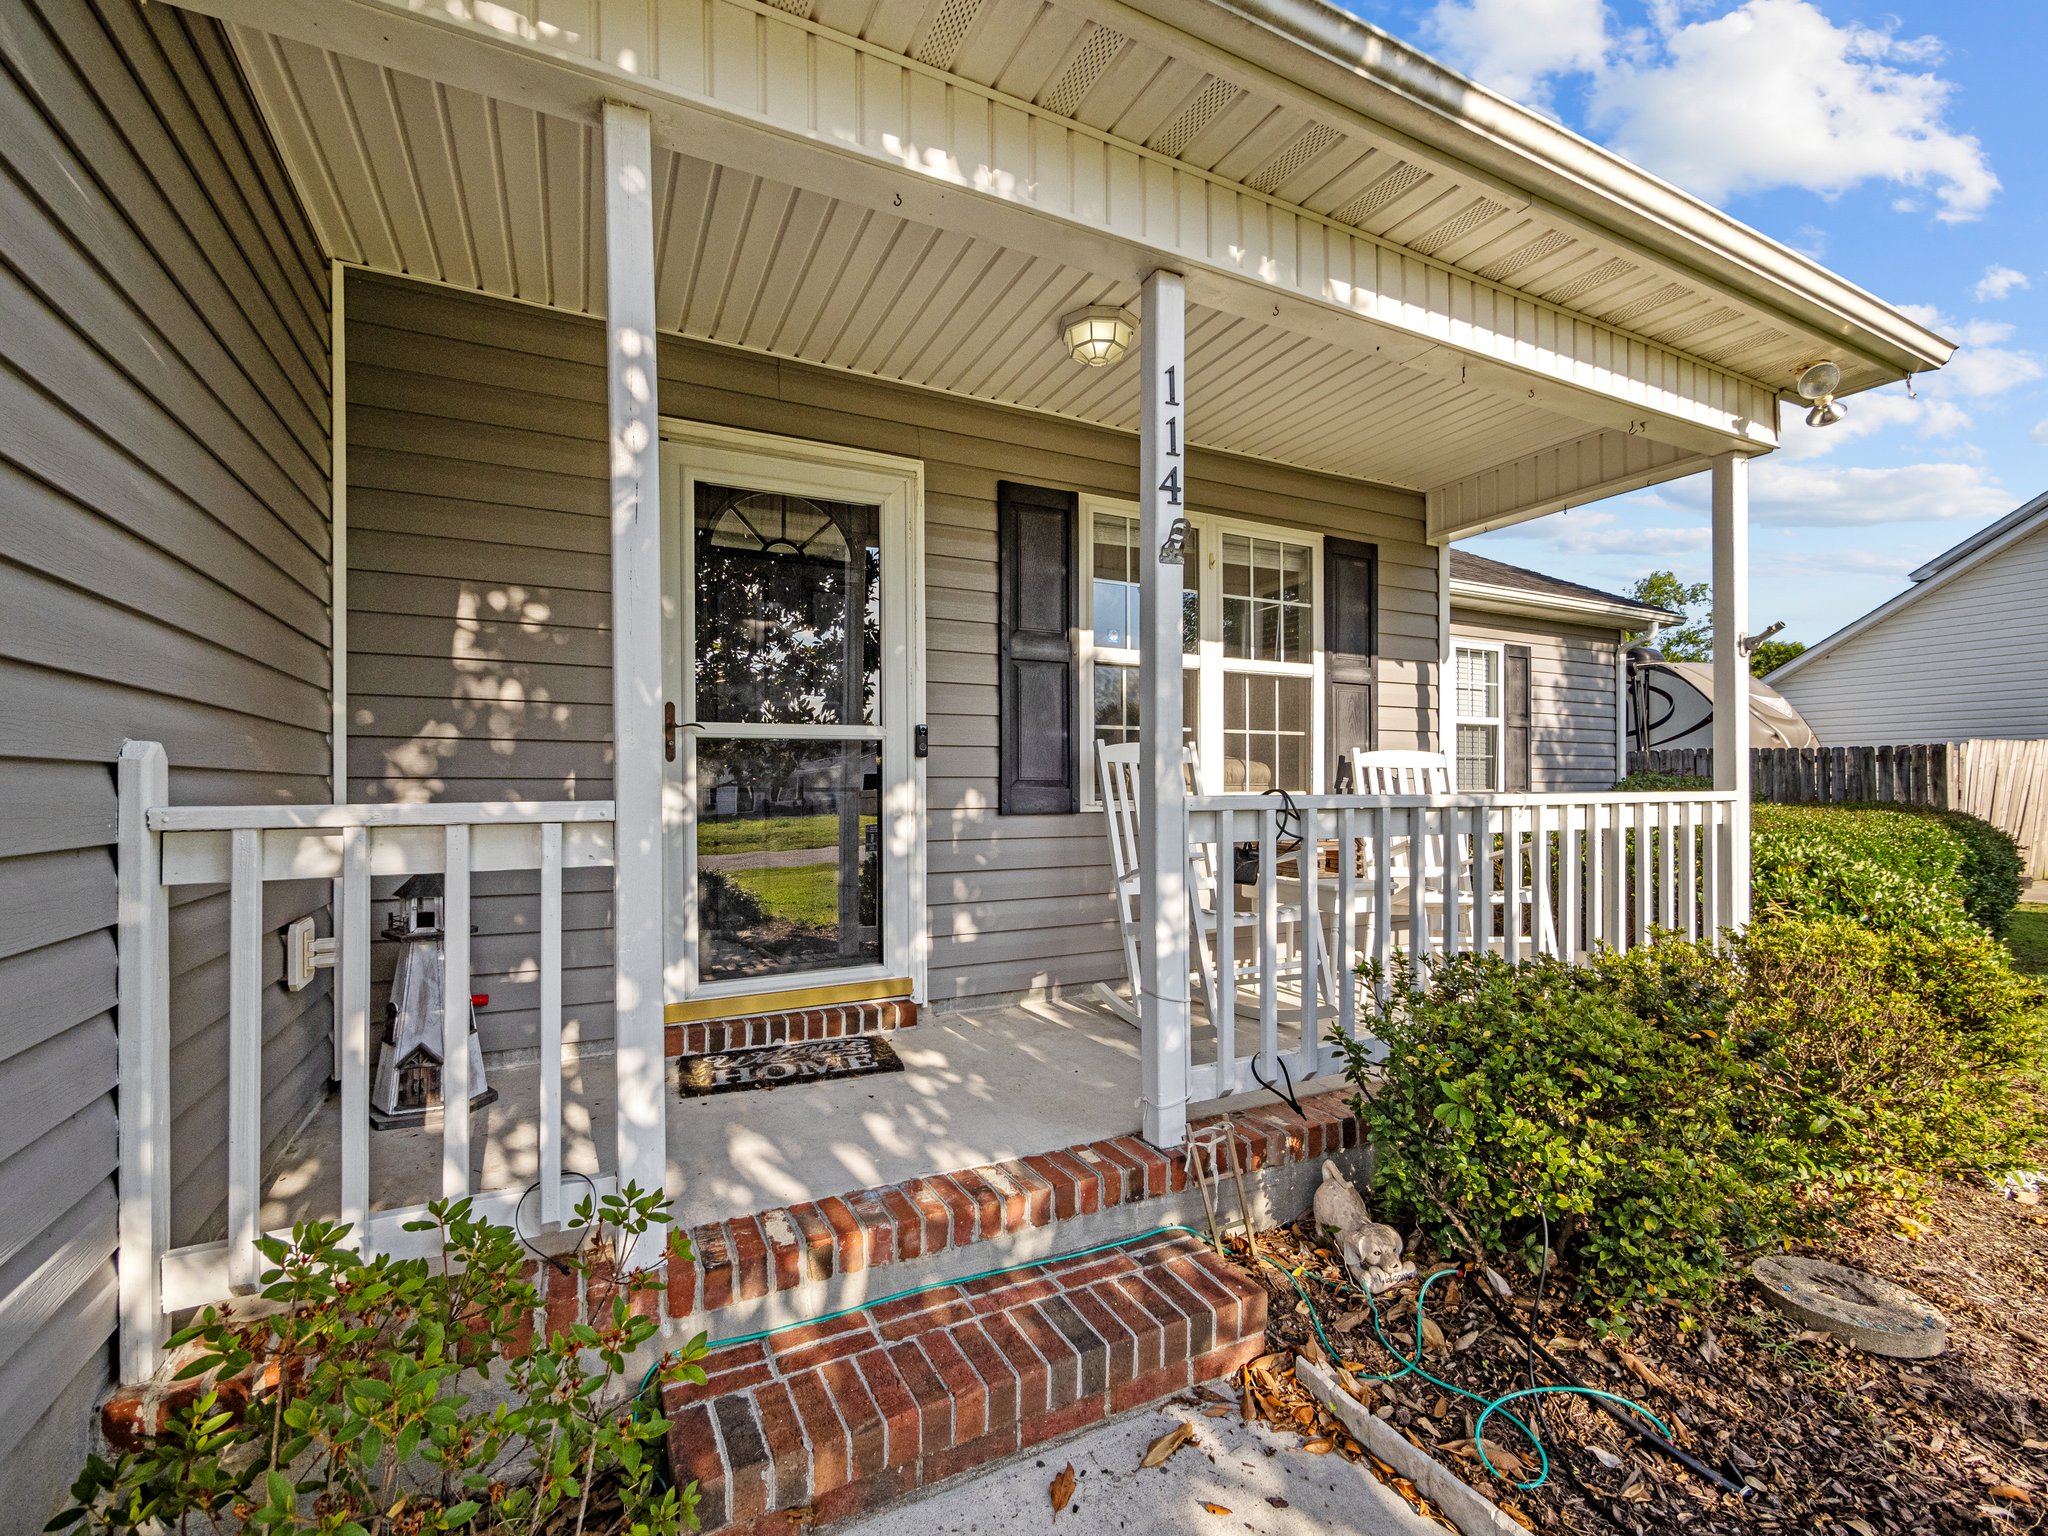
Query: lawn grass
(804,894)
(752,834)
(2026,934)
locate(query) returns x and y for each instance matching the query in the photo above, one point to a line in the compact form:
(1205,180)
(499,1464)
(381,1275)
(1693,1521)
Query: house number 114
(1171,425)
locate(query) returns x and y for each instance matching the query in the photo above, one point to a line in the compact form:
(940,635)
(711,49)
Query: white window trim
(797,466)
(1208,665)
(1499,721)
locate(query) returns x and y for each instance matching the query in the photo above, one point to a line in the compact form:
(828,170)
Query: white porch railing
(242,848)
(1512,875)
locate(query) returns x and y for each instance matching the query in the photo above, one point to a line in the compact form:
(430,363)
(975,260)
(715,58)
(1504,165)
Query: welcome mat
(777,1066)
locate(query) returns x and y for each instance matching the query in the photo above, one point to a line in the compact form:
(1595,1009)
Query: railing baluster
(455,1016)
(1269,943)
(1482,879)
(550,1023)
(1511,884)
(1383,897)
(1226,945)
(1569,925)
(1688,878)
(1308,864)
(1617,877)
(1453,887)
(352,962)
(1644,889)
(245,1056)
(1347,921)
(1418,896)
(1541,922)
(1710,852)
(1667,872)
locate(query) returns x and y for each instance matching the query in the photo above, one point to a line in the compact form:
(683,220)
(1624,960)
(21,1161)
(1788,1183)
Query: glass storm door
(790,770)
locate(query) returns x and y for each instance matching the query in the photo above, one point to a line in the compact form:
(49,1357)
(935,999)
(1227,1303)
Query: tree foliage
(1773,654)
(1692,638)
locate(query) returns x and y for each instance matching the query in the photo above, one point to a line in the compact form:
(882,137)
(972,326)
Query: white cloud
(1804,496)
(2040,432)
(1978,371)
(1981,366)
(1774,94)
(1514,46)
(1997,282)
(1888,412)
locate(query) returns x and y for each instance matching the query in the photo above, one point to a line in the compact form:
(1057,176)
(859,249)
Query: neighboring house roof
(1983,545)
(1492,584)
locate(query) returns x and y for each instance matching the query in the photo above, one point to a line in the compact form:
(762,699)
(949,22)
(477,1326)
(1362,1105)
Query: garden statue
(1371,1250)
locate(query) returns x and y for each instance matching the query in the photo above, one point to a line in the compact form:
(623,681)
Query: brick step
(833,1022)
(758,1271)
(839,1417)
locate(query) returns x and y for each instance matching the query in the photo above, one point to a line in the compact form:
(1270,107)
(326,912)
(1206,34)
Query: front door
(795,797)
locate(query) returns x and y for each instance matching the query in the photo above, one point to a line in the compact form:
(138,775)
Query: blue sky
(1902,145)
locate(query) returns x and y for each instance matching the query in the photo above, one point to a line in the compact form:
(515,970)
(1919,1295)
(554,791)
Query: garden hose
(1488,1406)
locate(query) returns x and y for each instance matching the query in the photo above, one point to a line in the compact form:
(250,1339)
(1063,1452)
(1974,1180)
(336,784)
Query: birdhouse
(419,908)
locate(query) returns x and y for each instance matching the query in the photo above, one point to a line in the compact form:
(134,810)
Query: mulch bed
(1827,1439)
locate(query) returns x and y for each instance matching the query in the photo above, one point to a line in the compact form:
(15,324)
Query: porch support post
(1731,674)
(635,442)
(1162,803)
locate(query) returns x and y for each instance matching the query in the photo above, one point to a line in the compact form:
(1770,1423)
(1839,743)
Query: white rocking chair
(1117,767)
(1429,773)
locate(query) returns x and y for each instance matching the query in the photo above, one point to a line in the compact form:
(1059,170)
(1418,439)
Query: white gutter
(1309,48)
(1490,599)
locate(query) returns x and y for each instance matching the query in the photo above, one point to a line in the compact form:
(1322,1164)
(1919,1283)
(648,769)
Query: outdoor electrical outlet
(304,953)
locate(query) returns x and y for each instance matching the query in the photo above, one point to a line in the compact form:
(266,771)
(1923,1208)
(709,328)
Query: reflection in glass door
(784,666)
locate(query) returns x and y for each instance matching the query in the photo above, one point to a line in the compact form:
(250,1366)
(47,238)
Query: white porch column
(635,435)
(1731,672)
(1162,806)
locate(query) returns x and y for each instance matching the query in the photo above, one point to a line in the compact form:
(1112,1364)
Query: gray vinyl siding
(1571,696)
(478,641)
(163,549)
(1969,659)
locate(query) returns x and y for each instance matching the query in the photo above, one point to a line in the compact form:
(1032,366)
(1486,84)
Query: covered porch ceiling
(917,190)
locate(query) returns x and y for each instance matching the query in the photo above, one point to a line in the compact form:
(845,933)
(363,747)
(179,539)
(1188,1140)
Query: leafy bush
(1608,1096)
(358,1428)
(1644,783)
(1897,1056)
(1969,861)
(1678,1106)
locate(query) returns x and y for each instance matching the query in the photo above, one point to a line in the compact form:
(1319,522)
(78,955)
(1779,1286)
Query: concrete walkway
(1267,1483)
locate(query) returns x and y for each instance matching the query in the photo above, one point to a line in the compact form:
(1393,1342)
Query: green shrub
(362,1430)
(1606,1096)
(1677,1107)
(1643,783)
(1968,860)
(1897,1056)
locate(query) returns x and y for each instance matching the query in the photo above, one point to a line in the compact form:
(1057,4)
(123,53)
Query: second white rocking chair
(1117,768)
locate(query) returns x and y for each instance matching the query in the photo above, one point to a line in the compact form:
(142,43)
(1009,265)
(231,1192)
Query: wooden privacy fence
(2003,781)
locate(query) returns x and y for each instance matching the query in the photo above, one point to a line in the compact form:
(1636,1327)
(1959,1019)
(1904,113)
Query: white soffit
(1057,57)
(405,175)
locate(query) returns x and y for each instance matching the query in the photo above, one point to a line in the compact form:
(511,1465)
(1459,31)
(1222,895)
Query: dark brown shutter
(1515,731)
(1351,643)
(1035,677)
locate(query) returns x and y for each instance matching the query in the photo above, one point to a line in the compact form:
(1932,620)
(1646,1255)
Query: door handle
(668,731)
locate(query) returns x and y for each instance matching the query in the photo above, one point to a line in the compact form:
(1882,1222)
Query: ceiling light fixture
(1818,383)
(1099,335)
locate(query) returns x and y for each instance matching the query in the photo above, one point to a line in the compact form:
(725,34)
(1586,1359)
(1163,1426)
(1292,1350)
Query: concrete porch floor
(977,1088)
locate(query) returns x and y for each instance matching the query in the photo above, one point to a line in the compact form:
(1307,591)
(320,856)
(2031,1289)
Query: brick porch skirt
(823,1421)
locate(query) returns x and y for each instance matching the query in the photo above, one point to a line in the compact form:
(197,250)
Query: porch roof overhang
(918,189)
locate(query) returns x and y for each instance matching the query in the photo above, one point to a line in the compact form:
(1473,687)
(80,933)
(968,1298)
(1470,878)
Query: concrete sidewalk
(1269,1485)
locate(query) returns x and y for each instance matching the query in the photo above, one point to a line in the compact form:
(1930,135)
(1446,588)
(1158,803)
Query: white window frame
(692,451)
(1204,670)
(1498,721)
